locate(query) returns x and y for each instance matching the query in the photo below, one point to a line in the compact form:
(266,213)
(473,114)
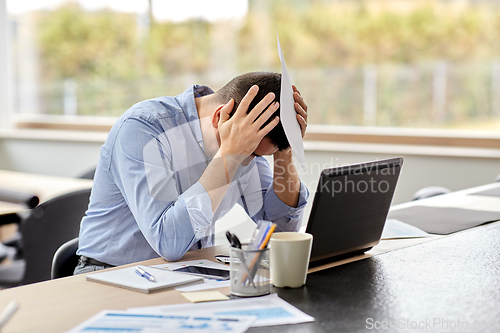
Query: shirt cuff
(199,207)
(275,208)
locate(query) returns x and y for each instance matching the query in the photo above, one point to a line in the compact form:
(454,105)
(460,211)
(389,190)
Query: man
(172,166)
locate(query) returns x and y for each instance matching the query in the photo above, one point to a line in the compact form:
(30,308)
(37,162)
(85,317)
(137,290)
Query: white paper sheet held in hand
(288,115)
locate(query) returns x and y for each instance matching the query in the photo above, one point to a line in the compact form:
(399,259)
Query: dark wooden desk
(454,279)
(449,284)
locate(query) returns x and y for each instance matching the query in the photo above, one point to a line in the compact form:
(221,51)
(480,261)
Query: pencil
(268,236)
(261,247)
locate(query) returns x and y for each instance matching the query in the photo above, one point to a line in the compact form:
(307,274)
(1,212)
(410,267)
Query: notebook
(127,278)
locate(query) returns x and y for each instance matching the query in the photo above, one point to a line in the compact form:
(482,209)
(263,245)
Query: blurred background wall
(402,63)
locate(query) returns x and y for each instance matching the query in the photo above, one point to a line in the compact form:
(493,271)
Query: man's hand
(242,133)
(286,182)
(239,137)
(301,109)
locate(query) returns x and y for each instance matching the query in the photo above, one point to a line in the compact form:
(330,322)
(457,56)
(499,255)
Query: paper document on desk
(123,321)
(270,310)
(207,283)
(396,229)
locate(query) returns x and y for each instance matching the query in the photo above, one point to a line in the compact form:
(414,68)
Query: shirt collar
(188,105)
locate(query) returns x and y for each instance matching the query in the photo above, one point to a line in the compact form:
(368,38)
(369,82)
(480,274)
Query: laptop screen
(350,208)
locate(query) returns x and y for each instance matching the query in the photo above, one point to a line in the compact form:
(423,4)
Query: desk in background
(45,187)
(451,278)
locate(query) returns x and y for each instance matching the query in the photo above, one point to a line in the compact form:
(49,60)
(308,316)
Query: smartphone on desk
(206,272)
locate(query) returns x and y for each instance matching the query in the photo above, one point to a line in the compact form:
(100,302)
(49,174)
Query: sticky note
(205,296)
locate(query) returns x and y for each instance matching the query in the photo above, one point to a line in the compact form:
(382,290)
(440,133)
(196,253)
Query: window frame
(315,133)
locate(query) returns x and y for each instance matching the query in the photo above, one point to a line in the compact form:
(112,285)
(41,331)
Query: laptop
(350,208)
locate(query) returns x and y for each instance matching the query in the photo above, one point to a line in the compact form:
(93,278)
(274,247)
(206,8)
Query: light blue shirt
(147,200)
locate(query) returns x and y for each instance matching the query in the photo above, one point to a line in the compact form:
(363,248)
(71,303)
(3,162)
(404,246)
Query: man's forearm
(218,175)
(286,182)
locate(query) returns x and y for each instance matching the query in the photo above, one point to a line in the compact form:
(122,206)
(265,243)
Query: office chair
(65,259)
(10,246)
(5,251)
(47,227)
(26,199)
(429,191)
(88,175)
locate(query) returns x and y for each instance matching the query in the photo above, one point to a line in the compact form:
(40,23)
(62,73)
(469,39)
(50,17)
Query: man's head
(268,82)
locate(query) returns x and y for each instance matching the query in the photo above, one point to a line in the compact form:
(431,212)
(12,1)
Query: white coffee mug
(289,258)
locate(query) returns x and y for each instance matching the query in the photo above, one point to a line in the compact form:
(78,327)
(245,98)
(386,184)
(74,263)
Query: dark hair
(267,82)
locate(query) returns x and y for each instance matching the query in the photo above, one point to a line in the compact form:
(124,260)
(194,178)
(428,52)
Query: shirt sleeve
(273,209)
(141,166)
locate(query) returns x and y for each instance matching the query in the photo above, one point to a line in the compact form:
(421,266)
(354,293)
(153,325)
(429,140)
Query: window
(416,64)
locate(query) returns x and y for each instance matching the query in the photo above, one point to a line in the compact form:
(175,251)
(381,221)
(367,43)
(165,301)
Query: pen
(144,274)
(8,312)
(264,242)
(268,227)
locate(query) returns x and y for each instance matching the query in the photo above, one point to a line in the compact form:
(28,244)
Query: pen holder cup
(250,272)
